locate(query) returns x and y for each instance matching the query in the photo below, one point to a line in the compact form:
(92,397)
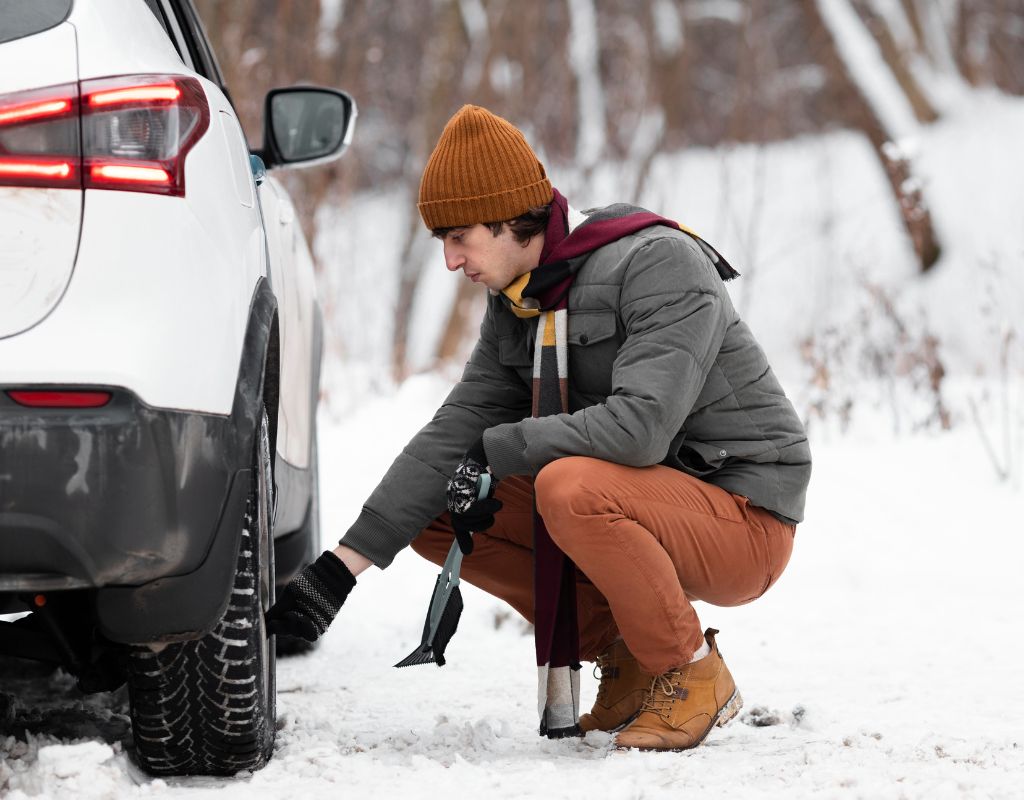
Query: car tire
(207,706)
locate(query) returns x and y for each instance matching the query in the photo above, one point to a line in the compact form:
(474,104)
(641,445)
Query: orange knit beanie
(482,170)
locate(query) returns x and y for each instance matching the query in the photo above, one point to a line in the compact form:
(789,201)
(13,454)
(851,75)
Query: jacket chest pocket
(515,342)
(514,352)
(588,328)
(593,345)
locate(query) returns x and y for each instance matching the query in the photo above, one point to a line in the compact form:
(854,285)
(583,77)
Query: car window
(19,18)
(209,57)
(203,60)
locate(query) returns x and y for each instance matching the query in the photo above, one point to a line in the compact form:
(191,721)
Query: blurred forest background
(593,82)
(707,72)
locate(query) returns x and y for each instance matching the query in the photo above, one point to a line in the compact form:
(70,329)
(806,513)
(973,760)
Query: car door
(291,270)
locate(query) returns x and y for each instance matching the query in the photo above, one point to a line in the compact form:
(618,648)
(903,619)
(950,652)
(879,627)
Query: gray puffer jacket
(661,370)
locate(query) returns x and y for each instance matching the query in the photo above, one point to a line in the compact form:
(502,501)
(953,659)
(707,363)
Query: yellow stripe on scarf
(524,308)
(690,231)
(549,339)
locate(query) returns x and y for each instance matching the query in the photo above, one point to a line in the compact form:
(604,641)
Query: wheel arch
(272,380)
(259,372)
(181,607)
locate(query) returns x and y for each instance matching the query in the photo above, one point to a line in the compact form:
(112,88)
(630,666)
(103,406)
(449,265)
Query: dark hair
(524,227)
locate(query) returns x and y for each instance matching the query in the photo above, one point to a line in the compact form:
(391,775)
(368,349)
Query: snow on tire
(207,707)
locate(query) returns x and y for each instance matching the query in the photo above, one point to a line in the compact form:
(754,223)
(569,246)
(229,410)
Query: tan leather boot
(621,691)
(684,704)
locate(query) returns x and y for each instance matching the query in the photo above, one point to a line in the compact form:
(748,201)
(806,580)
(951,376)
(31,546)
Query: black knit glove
(311,600)
(470,513)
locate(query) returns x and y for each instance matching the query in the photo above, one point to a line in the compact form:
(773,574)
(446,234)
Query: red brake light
(27,111)
(27,169)
(59,399)
(123,172)
(136,131)
(135,94)
(39,143)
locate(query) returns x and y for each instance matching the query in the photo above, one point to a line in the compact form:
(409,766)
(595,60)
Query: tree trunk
(454,337)
(860,113)
(896,58)
(447,46)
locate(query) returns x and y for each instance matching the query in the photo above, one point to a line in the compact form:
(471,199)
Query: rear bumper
(111,496)
(143,504)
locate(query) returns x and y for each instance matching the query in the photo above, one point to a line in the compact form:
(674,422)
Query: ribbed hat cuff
(497,207)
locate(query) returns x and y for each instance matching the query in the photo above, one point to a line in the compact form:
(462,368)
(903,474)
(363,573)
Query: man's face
(494,261)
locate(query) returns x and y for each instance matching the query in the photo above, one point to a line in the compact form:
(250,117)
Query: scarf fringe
(558,700)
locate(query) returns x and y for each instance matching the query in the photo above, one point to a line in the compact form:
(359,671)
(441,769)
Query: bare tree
(862,114)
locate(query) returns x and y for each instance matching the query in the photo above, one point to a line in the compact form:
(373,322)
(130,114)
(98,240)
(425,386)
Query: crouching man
(645,452)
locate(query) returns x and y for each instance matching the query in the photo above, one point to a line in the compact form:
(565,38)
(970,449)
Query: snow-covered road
(885,663)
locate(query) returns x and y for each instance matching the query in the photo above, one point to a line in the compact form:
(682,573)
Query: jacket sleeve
(412,492)
(675,315)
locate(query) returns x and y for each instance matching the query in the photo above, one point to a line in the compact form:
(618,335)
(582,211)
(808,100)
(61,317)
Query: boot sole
(621,726)
(728,713)
(725,715)
(625,724)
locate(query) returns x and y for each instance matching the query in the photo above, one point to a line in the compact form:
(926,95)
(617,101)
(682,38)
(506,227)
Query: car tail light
(137,130)
(39,138)
(59,399)
(129,133)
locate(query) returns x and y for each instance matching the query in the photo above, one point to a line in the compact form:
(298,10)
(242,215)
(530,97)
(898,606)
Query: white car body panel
(286,245)
(151,293)
(172,345)
(38,254)
(175,347)
(22,68)
(40,225)
(118,38)
(241,171)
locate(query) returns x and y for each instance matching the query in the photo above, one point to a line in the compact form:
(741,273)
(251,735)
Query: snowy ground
(887,658)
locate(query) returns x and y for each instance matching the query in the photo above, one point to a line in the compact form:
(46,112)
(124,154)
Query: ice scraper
(445,603)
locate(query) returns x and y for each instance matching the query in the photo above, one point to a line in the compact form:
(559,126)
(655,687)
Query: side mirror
(306,125)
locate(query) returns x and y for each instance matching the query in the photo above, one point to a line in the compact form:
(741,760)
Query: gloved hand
(468,513)
(308,604)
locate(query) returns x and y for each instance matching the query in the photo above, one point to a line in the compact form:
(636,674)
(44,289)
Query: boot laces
(663,692)
(609,672)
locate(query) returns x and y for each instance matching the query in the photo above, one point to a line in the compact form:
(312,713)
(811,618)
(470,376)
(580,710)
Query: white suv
(160,345)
